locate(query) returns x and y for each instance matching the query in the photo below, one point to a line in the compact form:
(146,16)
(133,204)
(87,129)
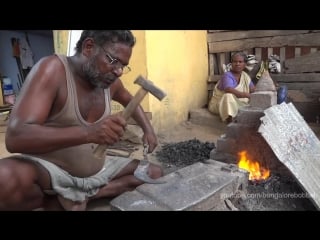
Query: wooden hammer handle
(127,112)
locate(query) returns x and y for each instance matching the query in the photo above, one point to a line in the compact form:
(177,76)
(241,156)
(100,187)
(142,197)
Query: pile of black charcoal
(185,153)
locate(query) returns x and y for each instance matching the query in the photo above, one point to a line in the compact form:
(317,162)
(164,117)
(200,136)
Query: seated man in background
(233,90)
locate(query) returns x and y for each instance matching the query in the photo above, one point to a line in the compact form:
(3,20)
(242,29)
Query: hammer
(146,87)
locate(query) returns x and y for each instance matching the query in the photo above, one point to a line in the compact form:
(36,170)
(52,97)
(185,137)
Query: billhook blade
(141,173)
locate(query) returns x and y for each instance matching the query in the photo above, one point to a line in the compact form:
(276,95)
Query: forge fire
(256,171)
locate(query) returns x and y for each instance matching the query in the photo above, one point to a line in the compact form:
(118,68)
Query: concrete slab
(136,201)
(201,186)
(295,145)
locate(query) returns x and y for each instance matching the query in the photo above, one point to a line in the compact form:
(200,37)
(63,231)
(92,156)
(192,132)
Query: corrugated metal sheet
(295,145)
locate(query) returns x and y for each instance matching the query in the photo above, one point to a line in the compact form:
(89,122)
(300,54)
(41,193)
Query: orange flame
(256,172)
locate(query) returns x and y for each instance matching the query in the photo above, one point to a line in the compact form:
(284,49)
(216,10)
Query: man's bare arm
(37,99)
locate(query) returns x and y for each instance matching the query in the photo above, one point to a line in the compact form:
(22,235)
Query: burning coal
(256,171)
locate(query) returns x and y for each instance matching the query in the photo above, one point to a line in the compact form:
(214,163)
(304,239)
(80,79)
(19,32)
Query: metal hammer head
(150,87)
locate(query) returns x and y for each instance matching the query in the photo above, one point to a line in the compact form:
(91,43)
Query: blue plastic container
(7,86)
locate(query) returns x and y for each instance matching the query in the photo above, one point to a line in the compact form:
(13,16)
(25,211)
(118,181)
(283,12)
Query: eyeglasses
(116,63)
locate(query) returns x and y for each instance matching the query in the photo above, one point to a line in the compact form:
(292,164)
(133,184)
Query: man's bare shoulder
(49,64)
(48,69)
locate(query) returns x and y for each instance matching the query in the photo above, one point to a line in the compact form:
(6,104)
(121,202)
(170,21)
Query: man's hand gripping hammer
(146,87)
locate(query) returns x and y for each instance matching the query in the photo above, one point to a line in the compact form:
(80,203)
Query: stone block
(250,116)
(198,187)
(263,99)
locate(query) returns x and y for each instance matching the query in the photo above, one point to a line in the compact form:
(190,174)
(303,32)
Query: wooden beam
(306,63)
(309,39)
(235,35)
(211,64)
(302,86)
(258,53)
(294,78)
(282,78)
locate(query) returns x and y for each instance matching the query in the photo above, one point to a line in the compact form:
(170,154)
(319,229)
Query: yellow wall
(138,67)
(177,62)
(174,60)
(60,39)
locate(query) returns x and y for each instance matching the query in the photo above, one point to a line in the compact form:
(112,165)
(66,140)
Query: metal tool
(141,171)
(146,87)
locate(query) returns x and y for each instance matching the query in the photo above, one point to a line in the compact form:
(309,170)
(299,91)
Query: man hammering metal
(146,87)
(63,113)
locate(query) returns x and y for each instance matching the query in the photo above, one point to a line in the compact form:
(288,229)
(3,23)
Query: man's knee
(9,185)
(8,179)
(16,185)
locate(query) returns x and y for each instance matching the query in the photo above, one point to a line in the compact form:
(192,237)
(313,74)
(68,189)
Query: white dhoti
(227,104)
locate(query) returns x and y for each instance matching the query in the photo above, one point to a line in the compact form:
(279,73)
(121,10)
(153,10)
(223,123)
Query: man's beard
(95,77)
